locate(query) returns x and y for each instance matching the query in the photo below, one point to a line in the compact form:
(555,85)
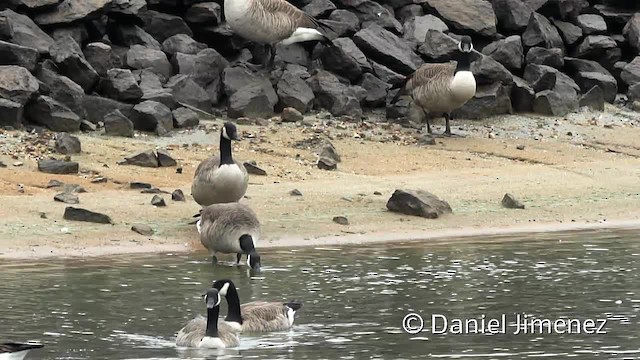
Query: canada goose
(231,228)
(256,316)
(442,88)
(272,22)
(220,179)
(16,351)
(204,332)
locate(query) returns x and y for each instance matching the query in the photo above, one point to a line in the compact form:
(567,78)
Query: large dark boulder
(205,68)
(370,12)
(345,59)
(63,90)
(418,203)
(162,26)
(252,100)
(387,49)
(543,56)
(522,95)
(631,32)
(153,116)
(376,90)
(55,116)
(66,54)
(540,32)
(591,24)
(12,54)
(508,52)
(129,35)
(70,11)
(17,84)
(294,92)
(333,95)
(25,32)
(415,29)
(11,113)
(569,32)
(140,57)
(97,107)
(120,84)
(101,57)
(438,47)
(186,91)
(512,15)
(182,43)
(117,124)
(466,16)
(489,100)
(488,71)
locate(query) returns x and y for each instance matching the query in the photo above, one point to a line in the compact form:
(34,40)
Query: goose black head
(223,286)
(465,44)
(211,298)
(230,132)
(253,260)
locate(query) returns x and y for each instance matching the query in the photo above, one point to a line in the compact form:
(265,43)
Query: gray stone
(51,166)
(163,26)
(387,49)
(97,108)
(631,32)
(177,195)
(182,43)
(326,164)
(542,56)
(591,24)
(294,92)
(522,95)
(376,90)
(290,114)
(593,99)
(415,29)
(488,71)
(142,229)
(11,113)
(145,159)
(344,59)
(348,18)
(67,144)
(508,52)
(438,47)
(341,220)
(540,32)
(139,57)
(254,169)
(129,35)
(251,101)
(25,32)
(569,32)
(235,78)
(120,84)
(489,100)
(295,192)
(72,10)
(67,198)
(466,15)
(78,32)
(185,118)
(332,95)
(630,73)
(87,126)
(327,150)
(319,8)
(12,54)
(510,202)
(512,15)
(55,116)
(78,214)
(165,159)
(418,203)
(126,11)
(556,103)
(17,84)
(372,13)
(186,91)
(152,116)
(63,90)
(66,54)
(594,46)
(117,124)
(385,74)
(101,58)
(606,83)
(158,201)
(209,13)
(205,68)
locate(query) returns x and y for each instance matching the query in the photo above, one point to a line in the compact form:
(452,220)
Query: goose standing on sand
(220,179)
(16,351)
(231,228)
(204,332)
(442,88)
(272,22)
(256,316)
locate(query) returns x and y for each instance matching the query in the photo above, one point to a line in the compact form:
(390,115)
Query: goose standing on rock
(272,22)
(204,332)
(442,88)
(256,316)
(16,351)
(220,179)
(231,228)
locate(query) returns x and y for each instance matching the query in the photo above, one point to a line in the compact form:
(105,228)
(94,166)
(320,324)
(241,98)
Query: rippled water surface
(355,299)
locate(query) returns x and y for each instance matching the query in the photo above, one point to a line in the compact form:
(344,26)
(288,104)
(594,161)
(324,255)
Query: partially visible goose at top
(204,332)
(16,351)
(272,22)
(220,179)
(442,88)
(231,228)
(256,316)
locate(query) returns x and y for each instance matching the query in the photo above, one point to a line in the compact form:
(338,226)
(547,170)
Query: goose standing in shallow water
(16,351)
(256,316)
(231,229)
(442,88)
(272,22)
(204,332)
(220,179)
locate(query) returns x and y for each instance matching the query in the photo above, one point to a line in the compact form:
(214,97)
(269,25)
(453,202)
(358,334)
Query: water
(354,300)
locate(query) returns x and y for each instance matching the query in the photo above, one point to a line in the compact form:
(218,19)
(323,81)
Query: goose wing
(430,73)
(12,347)
(281,9)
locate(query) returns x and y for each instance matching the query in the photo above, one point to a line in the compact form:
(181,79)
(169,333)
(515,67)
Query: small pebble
(295,192)
(520,147)
(342,220)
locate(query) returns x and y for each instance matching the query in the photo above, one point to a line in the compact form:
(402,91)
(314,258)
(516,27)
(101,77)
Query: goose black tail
(294,305)
(15,347)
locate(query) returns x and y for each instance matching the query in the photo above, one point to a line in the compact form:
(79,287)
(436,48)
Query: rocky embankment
(121,65)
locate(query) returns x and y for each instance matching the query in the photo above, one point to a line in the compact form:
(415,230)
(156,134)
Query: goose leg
(272,57)
(424,113)
(238,258)
(447,131)
(214,259)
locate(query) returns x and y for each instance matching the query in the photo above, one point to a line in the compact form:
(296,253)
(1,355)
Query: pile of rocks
(132,64)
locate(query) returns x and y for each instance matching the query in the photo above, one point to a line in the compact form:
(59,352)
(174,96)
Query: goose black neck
(464,62)
(233,301)
(212,322)
(225,151)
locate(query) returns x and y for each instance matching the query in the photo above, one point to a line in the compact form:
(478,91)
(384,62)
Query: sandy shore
(582,170)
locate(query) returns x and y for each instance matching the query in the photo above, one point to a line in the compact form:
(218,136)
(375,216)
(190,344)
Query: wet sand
(582,170)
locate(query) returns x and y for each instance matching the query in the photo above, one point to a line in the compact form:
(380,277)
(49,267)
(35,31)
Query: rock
(17,84)
(372,13)
(251,101)
(326,164)
(185,118)
(25,32)
(570,33)
(333,95)
(295,192)
(51,166)
(52,114)
(73,188)
(348,18)
(67,144)
(67,198)
(117,124)
(488,71)
(593,99)
(120,84)
(77,32)
(426,140)
(78,214)
(101,57)
(129,35)
(139,57)
(512,15)
(206,69)
(591,24)
(327,150)
(152,89)
(319,8)
(438,47)
(11,113)
(540,32)
(290,114)
(145,159)
(510,202)
(152,116)
(542,56)
(182,43)
(606,83)
(341,220)
(522,95)
(630,73)
(208,13)
(376,90)
(177,195)
(385,74)
(72,10)
(144,230)
(63,90)
(595,46)
(97,108)
(415,29)
(345,59)
(140,185)
(293,92)
(127,11)
(254,169)
(386,48)
(54,183)
(631,32)
(508,52)
(6,28)
(87,126)
(489,100)
(162,26)
(70,60)
(540,77)
(418,203)
(556,103)
(185,90)
(158,201)
(466,16)
(12,54)
(165,159)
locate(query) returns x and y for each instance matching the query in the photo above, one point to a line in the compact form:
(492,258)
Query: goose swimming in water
(256,316)
(16,351)
(204,332)
(442,88)
(220,179)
